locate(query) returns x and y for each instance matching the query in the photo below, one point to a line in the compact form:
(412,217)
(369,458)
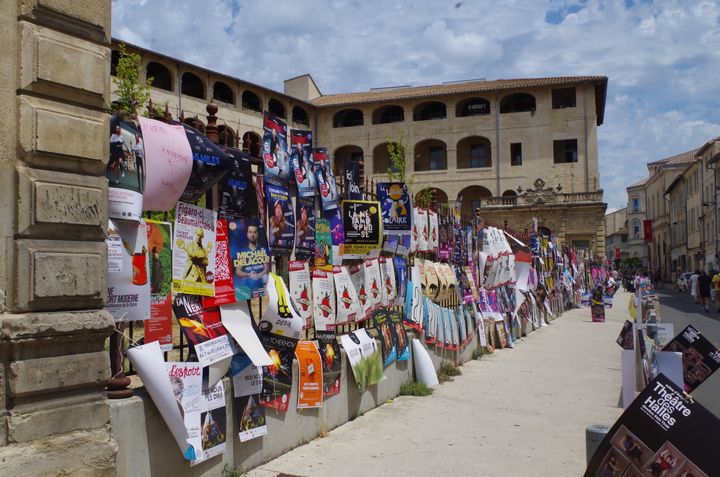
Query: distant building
(676,195)
(616,235)
(636,216)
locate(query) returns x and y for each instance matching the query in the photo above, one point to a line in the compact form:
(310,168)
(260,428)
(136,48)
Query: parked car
(683,282)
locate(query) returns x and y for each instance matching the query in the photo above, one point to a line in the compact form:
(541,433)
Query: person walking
(704,283)
(693,286)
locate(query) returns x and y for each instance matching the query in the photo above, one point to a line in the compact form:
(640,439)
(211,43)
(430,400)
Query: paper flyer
(224,285)
(159,326)
(362,225)
(396,207)
(194,250)
(301,161)
(281,220)
(351,172)
(700,358)
(323,243)
(325,179)
(349,308)
(323,289)
(389,292)
(445,236)
(125,171)
(275,150)
(280,317)
(304,228)
(357,277)
(364,358)
(128,282)
(203,328)
(433,232)
(337,233)
(278,377)
(402,344)
(401,278)
(385,334)
(250,257)
(210,164)
(373,282)
(168,163)
(247,383)
(420,221)
(237,320)
(186,382)
(301,289)
(237,194)
(331,362)
(482,337)
(310,375)
(213,422)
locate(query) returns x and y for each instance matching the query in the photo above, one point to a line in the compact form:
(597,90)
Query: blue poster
(275,150)
(305,228)
(396,207)
(325,179)
(301,161)
(250,257)
(280,219)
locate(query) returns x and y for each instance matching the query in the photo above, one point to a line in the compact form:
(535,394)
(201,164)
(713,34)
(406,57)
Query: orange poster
(310,387)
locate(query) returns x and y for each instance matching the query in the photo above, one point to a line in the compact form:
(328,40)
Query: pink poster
(168,163)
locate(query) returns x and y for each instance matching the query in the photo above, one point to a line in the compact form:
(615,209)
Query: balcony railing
(555,198)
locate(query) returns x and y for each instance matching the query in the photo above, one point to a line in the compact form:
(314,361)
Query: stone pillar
(54,91)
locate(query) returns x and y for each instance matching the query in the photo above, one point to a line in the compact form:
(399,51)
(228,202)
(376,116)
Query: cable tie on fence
(132,341)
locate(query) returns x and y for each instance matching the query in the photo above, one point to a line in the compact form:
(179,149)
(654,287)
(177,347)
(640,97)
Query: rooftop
(681,159)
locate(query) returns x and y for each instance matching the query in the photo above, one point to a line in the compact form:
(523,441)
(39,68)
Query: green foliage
(479,353)
(424,197)
(131,94)
(228,471)
(447,372)
(396,158)
(414,388)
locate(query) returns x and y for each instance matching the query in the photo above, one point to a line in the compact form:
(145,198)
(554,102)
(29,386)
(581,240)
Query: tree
(397,172)
(131,93)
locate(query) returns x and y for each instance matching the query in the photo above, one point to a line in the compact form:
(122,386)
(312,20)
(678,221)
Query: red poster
(647,230)
(224,286)
(617,253)
(159,326)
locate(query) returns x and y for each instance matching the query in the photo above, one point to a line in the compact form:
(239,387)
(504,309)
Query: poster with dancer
(302,163)
(237,193)
(700,358)
(323,243)
(125,171)
(281,220)
(275,150)
(250,257)
(301,289)
(331,362)
(128,284)
(323,287)
(304,228)
(325,179)
(159,326)
(396,206)
(362,226)
(247,383)
(203,329)
(210,164)
(193,250)
(310,375)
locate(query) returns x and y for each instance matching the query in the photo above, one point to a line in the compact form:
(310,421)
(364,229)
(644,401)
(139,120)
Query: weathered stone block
(44,375)
(51,202)
(93,16)
(60,65)
(54,275)
(24,427)
(41,326)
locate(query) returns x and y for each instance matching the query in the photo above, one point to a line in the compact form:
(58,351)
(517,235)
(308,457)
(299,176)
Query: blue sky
(662,57)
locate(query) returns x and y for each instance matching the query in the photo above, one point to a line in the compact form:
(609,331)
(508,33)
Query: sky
(662,58)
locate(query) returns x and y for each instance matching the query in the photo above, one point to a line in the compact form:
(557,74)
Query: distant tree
(132,95)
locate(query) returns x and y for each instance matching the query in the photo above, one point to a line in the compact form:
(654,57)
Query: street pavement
(518,412)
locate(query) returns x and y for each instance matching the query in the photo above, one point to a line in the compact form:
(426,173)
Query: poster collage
(371,258)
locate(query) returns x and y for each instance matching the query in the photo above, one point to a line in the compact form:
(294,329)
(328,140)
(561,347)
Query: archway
(195,123)
(430,155)
(251,101)
(251,144)
(276,108)
(388,114)
(472,107)
(517,103)
(433,198)
(471,198)
(223,92)
(348,118)
(381,158)
(430,110)
(226,136)
(348,153)
(474,152)
(193,86)
(299,116)
(162,78)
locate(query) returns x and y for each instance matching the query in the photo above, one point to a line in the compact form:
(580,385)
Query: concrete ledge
(24,427)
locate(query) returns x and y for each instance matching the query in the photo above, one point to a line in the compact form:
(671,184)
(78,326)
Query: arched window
(474,152)
(509,197)
(349,153)
(388,114)
(300,116)
(509,193)
(251,144)
(636,229)
(430,155)
(226,136)
(276,108)
(195,123)
(114,60)
(472,107)
(348,118)
(160,74)
(381,159)
(471,198)
(251,101)
(223,92)
(193,86)
(517,103)
(437,197)
(429,110)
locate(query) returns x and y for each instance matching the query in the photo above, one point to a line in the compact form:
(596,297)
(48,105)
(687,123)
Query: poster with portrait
(310,375)
(125,171)
(250,257)
(323,288)
(302,163)
(280,220)
(186,383)
(396,206)
(237,194)
(351,174)
(323,243)
(700,358)
(203,329)
(304,228)
(224,286)
(210,164)
(247,384)
(383,328)
(389,292)
(331,362)
(275,151)
(213,422)
(159,326)
(325,179)
(337,233)
(349,308)
(362,227)
(445,237)
(128,279)
(301,289)
(373,282)
(364,358)
(194,250)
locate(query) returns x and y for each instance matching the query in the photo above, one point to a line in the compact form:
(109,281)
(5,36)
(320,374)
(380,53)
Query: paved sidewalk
(518,412)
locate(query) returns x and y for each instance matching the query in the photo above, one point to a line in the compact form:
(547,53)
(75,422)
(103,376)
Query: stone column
(54,91)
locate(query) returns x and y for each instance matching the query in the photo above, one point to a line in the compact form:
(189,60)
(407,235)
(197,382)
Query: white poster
(213,422)
(193,250)
(357,276)
(348,303)
(372,283)
(128,264)
(247,384)
(186,382)
(324,299)
(389,288)
(280,317)
(433,238)
(237,320)
(301,289)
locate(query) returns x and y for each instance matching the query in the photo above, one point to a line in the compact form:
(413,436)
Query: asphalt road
(679,309)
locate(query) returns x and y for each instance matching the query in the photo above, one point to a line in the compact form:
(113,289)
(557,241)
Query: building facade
(636,216)
(676,194)
(616,234)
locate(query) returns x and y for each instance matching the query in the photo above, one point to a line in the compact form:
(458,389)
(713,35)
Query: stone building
(616,234)
(515,149)
(709,154)
(676,195)
(636,215)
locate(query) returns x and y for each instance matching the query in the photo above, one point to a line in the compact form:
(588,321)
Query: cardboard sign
(700,358)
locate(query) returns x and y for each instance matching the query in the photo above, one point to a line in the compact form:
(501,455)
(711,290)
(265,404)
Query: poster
(364,358)
(402,343)
(203,329)
(362,226)
(213,422)
(325,179)
(700,358)
(275,150)
(396,207)
(159,326)
(237,194)
(301,289)
(247,383)
(281,220)
(323,289)
(337,233)
(193,250)
(401,277)
(383,327)
(349,308)
(237,321)
(210,164)
(169,163)
(310,375)
(625,339)
(420,229)
(433,238)
(331,362)
(224,286)
(128,282)
(372,284)
(387,270)
(125,171)
(305,228)
(357,277)
(302,164)
(250,257)
(445,237)
(351,172)
(278,377)
(186,384)
(660,434)
(280,317)
(323,243)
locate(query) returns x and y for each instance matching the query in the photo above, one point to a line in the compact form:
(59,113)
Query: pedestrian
(716,286)
(693,286)
(704,283)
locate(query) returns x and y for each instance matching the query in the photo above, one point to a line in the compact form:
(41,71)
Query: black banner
(700,358)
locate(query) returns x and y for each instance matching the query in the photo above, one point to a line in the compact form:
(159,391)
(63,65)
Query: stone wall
(54,91)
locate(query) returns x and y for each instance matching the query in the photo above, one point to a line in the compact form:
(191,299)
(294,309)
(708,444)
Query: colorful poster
(348,304)
(281,220)
(301,289)
(247,383)
(128,285)
(169,163)
(372,284)
(364,358)
(275,150)
(331,362)
(389,292)
(323,287)
(323,243)
(325,179)
(213,422)
(337,233)
(305,228)
(302,163)
(401,277)
(357,276)
(659,434)
(351,172)
(433,239)
(278,377)
(280,317)
(362,226)
(625,338)
(193,250)
(224,286)
(125,171)
(203,329)
(310,375)
(700,358)
(402,344)
(420,229)
(250,257)
(396,206)
(186,383)
(159,326)
(237,194)
(445,237)
(210,164)
(383,327)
